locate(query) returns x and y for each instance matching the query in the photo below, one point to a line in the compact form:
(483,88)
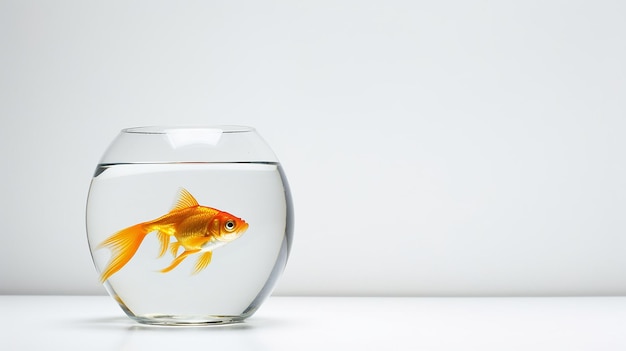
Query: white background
(433,148)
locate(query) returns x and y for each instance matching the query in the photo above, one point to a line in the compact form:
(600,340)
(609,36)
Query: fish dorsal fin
(185,200)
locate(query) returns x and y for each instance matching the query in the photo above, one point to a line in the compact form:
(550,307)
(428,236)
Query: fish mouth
(244,227)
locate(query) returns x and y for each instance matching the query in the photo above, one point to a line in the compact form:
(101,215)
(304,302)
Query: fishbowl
(189,225)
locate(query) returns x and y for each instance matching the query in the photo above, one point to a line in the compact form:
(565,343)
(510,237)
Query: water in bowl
(241,273)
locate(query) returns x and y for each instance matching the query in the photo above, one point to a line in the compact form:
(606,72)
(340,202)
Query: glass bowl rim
(167,129)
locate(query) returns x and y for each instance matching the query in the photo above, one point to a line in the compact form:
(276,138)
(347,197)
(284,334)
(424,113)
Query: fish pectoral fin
(203,262)
(174,248)
(165,242)
(178,260)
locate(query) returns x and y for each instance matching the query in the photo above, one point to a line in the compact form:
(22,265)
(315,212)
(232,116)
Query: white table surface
(327,323)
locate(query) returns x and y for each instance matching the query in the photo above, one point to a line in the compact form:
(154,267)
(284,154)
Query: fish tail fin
(123,246)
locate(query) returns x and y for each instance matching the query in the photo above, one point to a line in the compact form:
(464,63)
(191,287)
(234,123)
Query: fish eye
(230,225)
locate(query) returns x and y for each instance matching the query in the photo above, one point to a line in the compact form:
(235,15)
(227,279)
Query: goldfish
(197,229)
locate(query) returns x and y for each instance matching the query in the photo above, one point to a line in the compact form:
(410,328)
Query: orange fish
(198,229)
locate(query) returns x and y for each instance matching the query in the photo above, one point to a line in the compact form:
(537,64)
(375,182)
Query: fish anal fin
(185,200)
(174,248)
(165,242)
(203,262)
(178,260)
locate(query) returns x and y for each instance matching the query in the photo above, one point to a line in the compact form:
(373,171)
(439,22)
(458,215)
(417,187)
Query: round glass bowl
(189,225)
